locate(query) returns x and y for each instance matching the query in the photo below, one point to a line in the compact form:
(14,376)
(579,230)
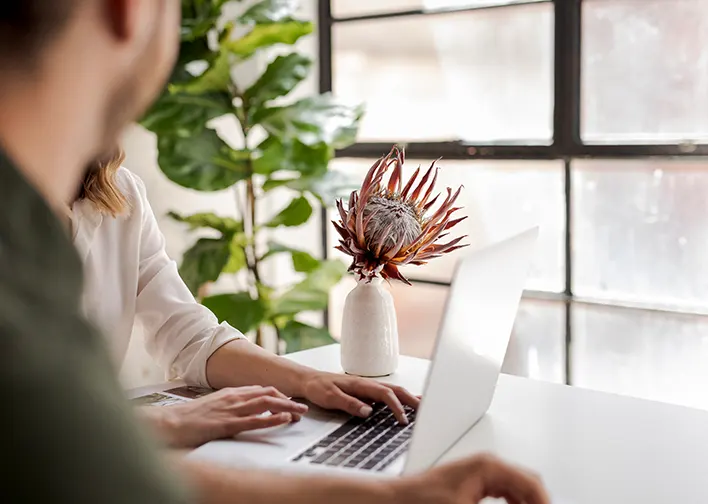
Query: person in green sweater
(73,73)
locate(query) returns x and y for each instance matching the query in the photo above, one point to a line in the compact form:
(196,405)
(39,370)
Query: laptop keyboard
(371,443)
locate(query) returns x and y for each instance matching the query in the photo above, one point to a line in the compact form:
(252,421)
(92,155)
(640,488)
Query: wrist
(419,490)
(401,491)
(164,422)
(299,378)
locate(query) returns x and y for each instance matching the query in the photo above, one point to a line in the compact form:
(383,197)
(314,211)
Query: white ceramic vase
(369,331)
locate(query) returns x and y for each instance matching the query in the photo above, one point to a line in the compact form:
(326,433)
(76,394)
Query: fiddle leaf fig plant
(286,144)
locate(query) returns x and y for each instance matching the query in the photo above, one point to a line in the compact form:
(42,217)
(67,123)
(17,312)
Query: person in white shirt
(129,280)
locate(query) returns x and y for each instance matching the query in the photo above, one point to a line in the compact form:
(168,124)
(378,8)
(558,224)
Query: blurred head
(99,185)
(109,58)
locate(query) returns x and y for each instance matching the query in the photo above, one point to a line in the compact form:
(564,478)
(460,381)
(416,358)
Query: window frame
(567,144)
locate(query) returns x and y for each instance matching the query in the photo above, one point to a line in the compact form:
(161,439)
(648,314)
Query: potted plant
(287,146)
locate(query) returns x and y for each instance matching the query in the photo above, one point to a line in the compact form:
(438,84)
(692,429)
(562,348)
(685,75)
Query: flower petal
(438,215)
(359,228)
(342,213)
(432,235)
(435,249)
(431,203)
(370,174)
(394,183)
(404,193)
(341,248)
(391,271)
(342,232)
(416,193)
(431,186)
(455,222)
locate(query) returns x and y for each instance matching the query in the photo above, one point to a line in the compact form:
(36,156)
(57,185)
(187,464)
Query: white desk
(589,447)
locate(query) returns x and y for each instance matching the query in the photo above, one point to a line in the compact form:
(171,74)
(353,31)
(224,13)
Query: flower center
(403,216)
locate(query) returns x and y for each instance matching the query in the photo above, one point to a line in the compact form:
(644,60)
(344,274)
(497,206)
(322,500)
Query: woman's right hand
(222,414)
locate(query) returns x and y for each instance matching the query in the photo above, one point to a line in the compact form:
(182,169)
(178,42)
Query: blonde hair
(100,186)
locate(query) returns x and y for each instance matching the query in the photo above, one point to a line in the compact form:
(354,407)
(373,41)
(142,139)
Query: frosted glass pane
(346,8)
(641,232)
(480,76)
(652,355)
(645,71)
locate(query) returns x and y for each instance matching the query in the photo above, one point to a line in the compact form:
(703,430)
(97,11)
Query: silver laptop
(470,348)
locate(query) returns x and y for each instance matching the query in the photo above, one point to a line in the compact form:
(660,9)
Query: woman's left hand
(222,414)
(354,395)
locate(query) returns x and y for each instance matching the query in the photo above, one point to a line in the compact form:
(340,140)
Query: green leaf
(283,74)
(295,214)
(313,292)
(270,11)
(199,17)
(264,35)
(184,114)
(226,225)
(271,184)
(239,309)
(202,161)
(293,156)
(303,262)
(217,77)
(299,336)
(296,301)
(204,262)
(237,259)
(326,276)
(327,188)
(314,120)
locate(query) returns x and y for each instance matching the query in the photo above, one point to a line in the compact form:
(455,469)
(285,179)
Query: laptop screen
(470,348)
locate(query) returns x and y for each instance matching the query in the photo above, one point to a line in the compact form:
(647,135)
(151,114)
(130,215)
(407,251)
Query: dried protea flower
(387,225)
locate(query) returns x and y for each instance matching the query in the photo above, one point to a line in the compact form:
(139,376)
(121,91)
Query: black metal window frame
(566,146)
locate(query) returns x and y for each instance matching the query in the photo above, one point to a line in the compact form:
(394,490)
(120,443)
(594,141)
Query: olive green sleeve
(69,434)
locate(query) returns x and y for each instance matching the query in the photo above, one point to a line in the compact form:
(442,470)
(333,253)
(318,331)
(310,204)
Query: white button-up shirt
(129,280)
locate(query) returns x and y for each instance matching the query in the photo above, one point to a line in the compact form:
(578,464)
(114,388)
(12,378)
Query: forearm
(213,485)
(240,363)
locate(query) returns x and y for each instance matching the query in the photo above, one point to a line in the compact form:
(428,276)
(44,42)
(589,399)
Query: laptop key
(321,459)
(362,443)
(336,460)
(355,462)
(370,464)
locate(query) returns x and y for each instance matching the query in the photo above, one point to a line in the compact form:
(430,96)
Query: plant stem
(252,258)
(251,198)
(253,261)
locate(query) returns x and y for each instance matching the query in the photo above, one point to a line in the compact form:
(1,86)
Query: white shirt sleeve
(180,334)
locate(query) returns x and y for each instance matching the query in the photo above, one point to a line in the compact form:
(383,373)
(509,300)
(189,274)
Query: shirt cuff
(195,373)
